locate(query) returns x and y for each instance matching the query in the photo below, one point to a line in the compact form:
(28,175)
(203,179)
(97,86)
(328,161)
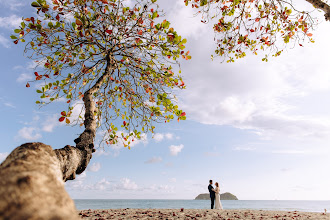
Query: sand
(198,214)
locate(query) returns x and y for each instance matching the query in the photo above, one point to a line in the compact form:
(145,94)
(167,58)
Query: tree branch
(323,6)
(74,160)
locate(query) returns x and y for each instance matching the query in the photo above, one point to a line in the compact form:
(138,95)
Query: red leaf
(309,34)
(109,31)
(112,79)
(124,123)
(183,114)
(39,77)
(27,85)
(36,74)
(78,22)
(16,41)
(140,32)
(63,113)
(57,17)
(61,119)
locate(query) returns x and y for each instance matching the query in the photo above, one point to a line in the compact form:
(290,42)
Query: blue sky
(261,129)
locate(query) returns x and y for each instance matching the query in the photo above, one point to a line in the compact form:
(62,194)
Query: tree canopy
(121,60)
(257,25)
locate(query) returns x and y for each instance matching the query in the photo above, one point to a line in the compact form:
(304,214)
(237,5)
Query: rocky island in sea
(223,196)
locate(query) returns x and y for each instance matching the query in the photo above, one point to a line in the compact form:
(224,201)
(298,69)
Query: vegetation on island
(223,196)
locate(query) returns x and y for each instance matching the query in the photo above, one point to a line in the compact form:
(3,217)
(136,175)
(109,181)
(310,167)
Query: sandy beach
(198,214)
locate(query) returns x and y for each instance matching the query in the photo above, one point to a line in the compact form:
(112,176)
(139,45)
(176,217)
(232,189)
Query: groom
(212,194)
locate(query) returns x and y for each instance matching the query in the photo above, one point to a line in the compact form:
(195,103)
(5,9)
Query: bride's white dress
(217,204)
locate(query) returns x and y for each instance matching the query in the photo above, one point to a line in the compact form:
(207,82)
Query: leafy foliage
(244,25)
(71,39)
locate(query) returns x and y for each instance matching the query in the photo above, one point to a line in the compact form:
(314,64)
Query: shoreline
(198,214)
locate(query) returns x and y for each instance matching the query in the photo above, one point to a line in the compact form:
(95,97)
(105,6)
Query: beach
(198,214)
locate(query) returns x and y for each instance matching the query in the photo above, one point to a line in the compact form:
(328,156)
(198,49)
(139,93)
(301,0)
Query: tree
(244,25)
(113,57)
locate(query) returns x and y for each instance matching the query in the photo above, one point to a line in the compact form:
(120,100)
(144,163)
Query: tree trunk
(323,6)
(32,177)
(32,187)
(74,160)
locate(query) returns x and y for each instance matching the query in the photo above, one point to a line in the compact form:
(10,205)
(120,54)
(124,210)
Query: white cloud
(169,136)
(10,22)
(10,105)
(29,133)
(12,4)
(158,137)
(184,24)
(172,180)
(4,41)
(154,160)
(50,123)
(211,154)
(3,156)
(298,152)
(245,148)
(24,77)
(101,185)
(94,167)
(278,98)
(162,188)
(78,183)
(174,150)
(126,184)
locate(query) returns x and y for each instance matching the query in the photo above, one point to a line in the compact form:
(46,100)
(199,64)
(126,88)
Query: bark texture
(323,6)
(32,187)
(32,177)
(74,160)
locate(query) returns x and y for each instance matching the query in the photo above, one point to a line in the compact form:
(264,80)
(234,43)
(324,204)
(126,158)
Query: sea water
(284,205)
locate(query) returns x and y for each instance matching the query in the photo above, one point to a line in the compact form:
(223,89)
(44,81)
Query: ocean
(284,205)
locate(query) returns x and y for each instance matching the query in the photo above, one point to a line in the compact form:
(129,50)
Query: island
(223,196)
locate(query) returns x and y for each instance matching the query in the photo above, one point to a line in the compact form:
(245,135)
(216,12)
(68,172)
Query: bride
(217,197)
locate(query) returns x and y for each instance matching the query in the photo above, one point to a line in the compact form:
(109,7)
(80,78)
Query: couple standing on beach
(215,195)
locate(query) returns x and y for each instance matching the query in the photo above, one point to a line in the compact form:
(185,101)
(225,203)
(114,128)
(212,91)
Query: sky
(262,130)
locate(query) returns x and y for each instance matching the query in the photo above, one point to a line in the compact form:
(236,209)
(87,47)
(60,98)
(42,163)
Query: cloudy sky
(262,130)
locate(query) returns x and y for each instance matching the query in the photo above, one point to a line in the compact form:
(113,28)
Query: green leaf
(203,2)
(17,31)
(39,91)
(35,4)
(13,37)
(154,15)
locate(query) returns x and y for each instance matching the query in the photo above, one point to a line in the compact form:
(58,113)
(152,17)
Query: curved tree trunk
(74,160)
(32,177)
(323,6)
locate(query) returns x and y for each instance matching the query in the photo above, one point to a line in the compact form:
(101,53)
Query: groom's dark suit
(212,195)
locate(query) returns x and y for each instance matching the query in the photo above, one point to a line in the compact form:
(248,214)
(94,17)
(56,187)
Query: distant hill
(223,196)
